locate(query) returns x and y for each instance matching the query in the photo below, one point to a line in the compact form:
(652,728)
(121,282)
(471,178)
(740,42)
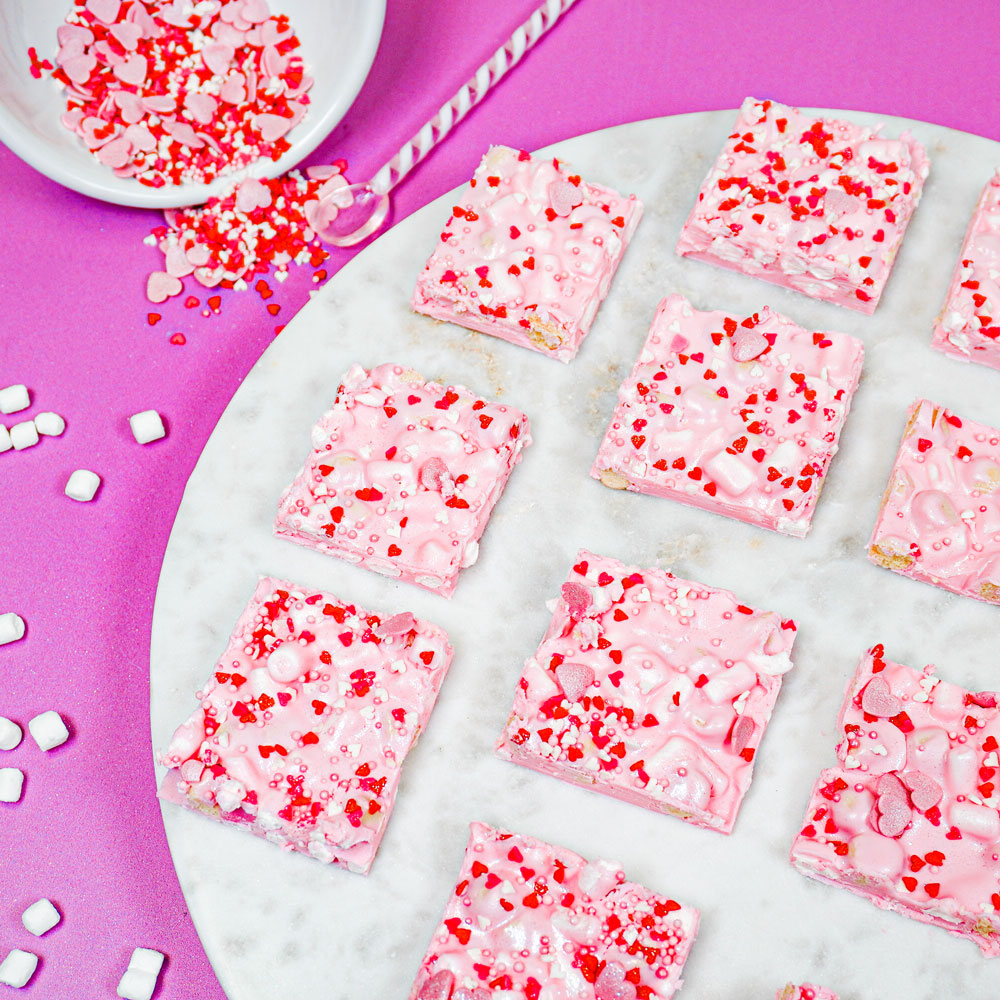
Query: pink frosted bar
(805,992)
(528,253)
(910,818)
(533,921)
(940,517)
(816,205)
(304,726)
(403,476)
(969,325)
(737,415)
(651,689)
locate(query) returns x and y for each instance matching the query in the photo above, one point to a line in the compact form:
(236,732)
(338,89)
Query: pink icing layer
(652,689)
(403,476)
(940,515)
(910,818)
(805,992)
(528,253)
(737,415)
(529,920)
(813,204)
(303,728)
(969,325)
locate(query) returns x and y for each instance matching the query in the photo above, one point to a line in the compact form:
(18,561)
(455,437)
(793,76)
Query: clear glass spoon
(362,208)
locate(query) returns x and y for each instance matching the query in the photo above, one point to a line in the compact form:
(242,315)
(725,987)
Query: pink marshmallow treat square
(816,205)
(737,415)
(403,476)
(805,992)
(940,516)
(610,938)
(969,325)
(528,253)
(651,689)
(910,817)
(304,725)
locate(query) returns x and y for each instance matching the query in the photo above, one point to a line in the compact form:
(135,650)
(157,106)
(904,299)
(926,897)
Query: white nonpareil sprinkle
(10,734)
(24,435)
(40,917)
(14,398)
(140,977)
(48,730)
(17,968)
(5,442)
(11,782)
(147,426)
(11,627)
(82,485)
(50,424)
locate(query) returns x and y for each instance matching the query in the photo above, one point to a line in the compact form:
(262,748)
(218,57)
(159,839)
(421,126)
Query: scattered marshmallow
(48,730)
(11,783)
(5,442)
(82,485)
(140,977)
(17,968)
(14,398)
(40,917)
(50,424)
(10,734)
(11,627)
(147,426)
(24,435)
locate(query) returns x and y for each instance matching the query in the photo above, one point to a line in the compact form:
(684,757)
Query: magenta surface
(73,327)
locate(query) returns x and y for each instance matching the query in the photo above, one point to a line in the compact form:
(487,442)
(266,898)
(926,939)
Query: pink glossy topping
(940,516)
(303,728)
(739,415)
(969,325)
(910,818)
(528,253)
(529,920)
(403,476)
(805,992)
(812,204)
(657,693)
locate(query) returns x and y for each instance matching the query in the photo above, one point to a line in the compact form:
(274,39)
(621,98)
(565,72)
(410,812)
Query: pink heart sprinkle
(319,214)
(177,263)
(889,785)
(984,699)
(432,473)
(218,57)
(199,254)
(141,138)
(252,194)
(438,987)
(79,68)
(742,732)
(748,344)
(273,63)
(127,34)
(574,679)
(925,792)
(878,700)
(115,154)
(611,984)
(894,815)
(129,105)
(75,33)
(564,197)
(159,104)
(208,276)
(160,286)
(272,127)
(232,90)
(255,11)
(104,10)
(322,171)
(477,994)
(201,107)
(396,625)
(577,598)
(132,70)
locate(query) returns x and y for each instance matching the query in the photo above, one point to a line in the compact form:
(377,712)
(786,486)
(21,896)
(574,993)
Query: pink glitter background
(88,833)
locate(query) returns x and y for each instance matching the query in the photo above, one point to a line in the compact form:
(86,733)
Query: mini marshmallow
(11,627)
(17,968)
(10,734)
(5,442)
(50,424)
(48,730)
(140,977)
(24,435)
(147,426)
(11,782)
(14,398)
(82,485)
(40,917)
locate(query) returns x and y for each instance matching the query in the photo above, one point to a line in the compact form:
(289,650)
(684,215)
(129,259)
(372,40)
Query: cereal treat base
(940,516)
(303,727)
(651,689)
(403,476)
(525,916)
(969,325)
(528,253)
(807,991)
(816,205)
(739,415)
(910,817)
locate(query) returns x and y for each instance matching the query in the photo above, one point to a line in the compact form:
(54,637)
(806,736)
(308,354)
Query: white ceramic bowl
(339,40)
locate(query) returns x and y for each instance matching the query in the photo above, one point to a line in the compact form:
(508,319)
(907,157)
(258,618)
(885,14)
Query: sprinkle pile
(169,92)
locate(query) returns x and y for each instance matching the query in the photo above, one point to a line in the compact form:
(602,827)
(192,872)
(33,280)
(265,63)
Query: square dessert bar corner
(939,521)
(610,938)
(813,204)
(403,476)
(651,689)
(739,415)
(910,816)
(528,253)
(305,723)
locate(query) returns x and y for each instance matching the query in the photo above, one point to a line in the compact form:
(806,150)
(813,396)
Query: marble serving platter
(277,925)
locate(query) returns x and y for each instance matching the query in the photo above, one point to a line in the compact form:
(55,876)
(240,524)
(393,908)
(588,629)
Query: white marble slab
(281,926)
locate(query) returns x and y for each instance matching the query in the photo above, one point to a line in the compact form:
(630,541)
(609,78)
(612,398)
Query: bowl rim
(20,139)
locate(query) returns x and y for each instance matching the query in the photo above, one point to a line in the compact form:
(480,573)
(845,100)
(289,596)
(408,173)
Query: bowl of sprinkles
(166,103)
